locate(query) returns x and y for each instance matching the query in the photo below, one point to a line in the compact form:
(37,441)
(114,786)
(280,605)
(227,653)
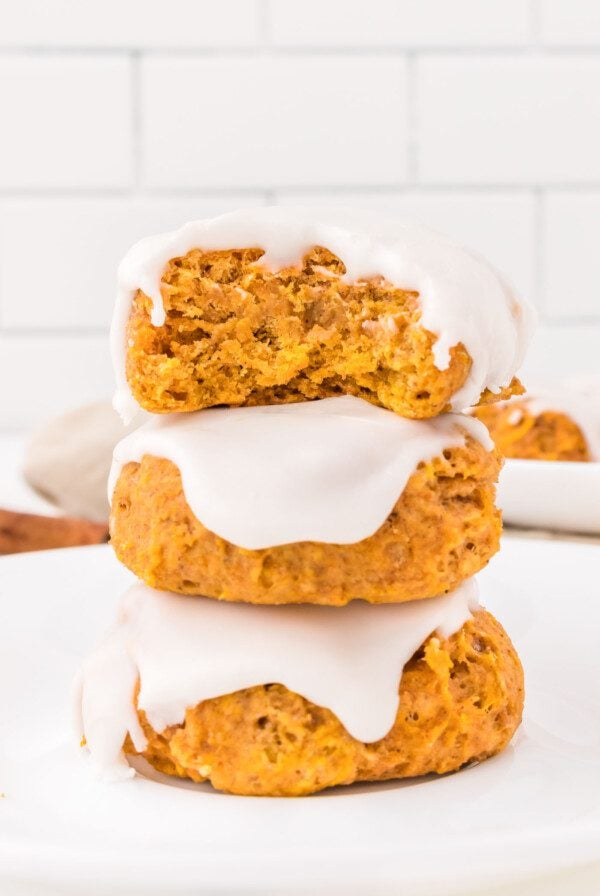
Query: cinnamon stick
(20,532)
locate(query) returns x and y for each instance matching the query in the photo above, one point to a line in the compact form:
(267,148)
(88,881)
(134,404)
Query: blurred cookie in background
(554,425)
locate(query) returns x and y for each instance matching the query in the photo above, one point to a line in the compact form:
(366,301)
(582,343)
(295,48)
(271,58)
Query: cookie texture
(547,435)
(236,333)
(461,700)
(443,529)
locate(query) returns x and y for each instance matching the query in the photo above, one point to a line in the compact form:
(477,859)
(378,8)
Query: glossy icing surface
(328,471)
(463,299)
(184,650)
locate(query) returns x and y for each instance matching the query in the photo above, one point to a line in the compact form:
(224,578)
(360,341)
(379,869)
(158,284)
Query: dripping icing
(184,651)
(463,299)
(328,470)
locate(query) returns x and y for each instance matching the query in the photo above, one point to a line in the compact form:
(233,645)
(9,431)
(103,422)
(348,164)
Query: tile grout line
(535,24)
(263,17)
(264,46)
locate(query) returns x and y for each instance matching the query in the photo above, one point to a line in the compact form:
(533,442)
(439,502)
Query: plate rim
(33,861)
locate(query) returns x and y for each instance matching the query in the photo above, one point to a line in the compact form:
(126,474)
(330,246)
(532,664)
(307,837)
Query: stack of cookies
(307,506)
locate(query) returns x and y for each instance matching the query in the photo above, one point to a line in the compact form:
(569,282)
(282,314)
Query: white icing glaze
(103,690)
(581,406)
(463,299)
(185,650)
(328,470)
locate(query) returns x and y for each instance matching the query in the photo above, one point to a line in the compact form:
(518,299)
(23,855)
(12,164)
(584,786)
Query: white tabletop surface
(15,494)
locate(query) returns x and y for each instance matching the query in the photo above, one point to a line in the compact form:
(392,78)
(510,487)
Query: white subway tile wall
(572,255)
(126,117)
(408,23)
(272,122)
(66,122)
(570,23)
(72,248)
(508,119)
(43,375)
(129,23)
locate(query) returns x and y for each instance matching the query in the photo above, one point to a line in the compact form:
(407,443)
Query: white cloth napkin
(68,460)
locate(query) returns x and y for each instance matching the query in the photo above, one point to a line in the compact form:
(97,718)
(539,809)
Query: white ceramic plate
(551,495)
(535,808)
